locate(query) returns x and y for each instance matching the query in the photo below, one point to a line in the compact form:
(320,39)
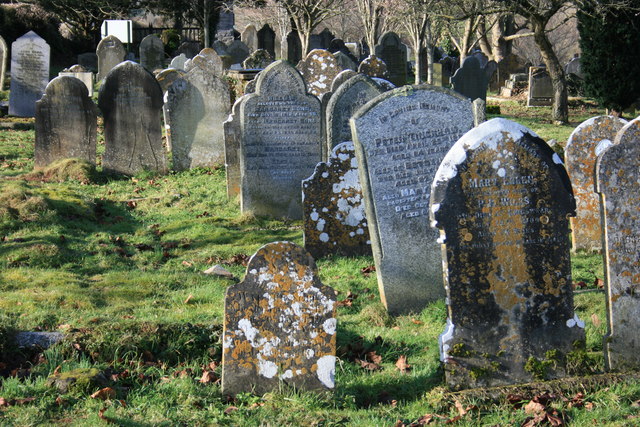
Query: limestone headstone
(152,53)
(501,199)
(279,325)
(260,58)
(470,80)
(81,74)
(585,143)
(319,69)
(250,37)
(130,99)
(238,51)
(89,61)
(4,54)
(540,87)
(334,218)
(401,136)
(66,123)
(373,66)
(110,53)
(208,60)
(341,78)
(232,139)
(344,62)
(281,142)
(29,73)
(178,62)
(617,184)
(394,53)
(267,39)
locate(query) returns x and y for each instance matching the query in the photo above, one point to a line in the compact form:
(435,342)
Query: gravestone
(152,53)
(294,48)
(394,53)
(585,143)
(208,60)
(267,40)
(346,100)
(130,99)
(197,105)
(238,51)
(373,66)
(470,80)
(81,74)
(249,37)
(334,218)
(540,88)
(89,61)
(400,137)
(617,183)
(315,42)
(232,139)
(501,199)
(483,60)
(279,325)
(490,70)
(29,73)
(318,69)
(219,47)
(574,67)
(383,84)
(189,48)
(4,54)
(110,53)
(341,78)
(345,62)
(438,77)
(178,62)
(510,64)
(281,142)
(257,60)
(479,111)
(166,77)
(326,36)
(66,123)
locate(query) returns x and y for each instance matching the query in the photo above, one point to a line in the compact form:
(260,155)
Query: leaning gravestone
(66,123)
(470,80)
(259,59)
(232,139)
(585,143)
(110,53)
(394,53)
(29,73)
(178,62)
(334,219)
(501,199)
(279,325)
(373,66)
(401,136)
(281,142)
(4,54)
(197,105)
(319,69)
(152,53)
(130,99)
(540,87)
(618,186)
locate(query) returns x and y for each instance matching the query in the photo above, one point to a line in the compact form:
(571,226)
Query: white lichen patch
(329,326)
(324,237)
(602,146)
(267,368)
(556,159)
(444,340)
(327,371)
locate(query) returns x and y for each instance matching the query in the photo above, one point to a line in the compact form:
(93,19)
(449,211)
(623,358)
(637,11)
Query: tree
(610,58)
(306,15)
(203,12)
(371,13)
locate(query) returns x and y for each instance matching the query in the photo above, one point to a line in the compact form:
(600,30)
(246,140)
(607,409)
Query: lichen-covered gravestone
(617,183)
(178,62)
(30,56)
(232,138)
(110,53)
(4,54)
(130,99)
(471,80)
(373,66)
(394,53)
(281,142)
(66,123)
(319,69)
(585,143)
(334,218)
(279,325)
(208,59)
(152,53)
(401,136)
(501,199)
(258,59)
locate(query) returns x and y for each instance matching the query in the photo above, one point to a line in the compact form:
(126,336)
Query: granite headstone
(470,80)
(394,53)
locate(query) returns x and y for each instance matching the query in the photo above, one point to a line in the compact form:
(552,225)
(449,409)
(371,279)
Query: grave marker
(250,37)
(259,59)
(394,53)
(152,53)
(29,74)
(110,53)
(470,80)
(232,139)
(81,74)
(238,51)
(318,69)
(540,87)
(208,60)
(178,62)
(344,62)
(373,66)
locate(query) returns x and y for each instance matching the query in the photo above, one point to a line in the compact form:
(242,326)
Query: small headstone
(334,218)
(66,123)
(152,53)
(501,199)
(586,142)
(267,40)
(81,74)
(249,37)
(130,99)
(394,53)
(490,70)
(219,47)
(207,60)
(258,59)
(373,66)
(481,57)
(617,183)
(281,142)
(189,48)
(344,62)
(232,139)
(540,88)
(29,73)
(470,80)
(279,325)
(4,54)
(315,42)
(166,77)
(319,69)
(110,53)
(341,78)
(326,36)
(479,111)
(178,62)
(401,136)
(238,51)
(89,61)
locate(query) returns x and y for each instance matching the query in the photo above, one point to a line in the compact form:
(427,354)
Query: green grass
(117,264)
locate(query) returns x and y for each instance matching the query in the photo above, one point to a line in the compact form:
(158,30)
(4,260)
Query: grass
(117,265)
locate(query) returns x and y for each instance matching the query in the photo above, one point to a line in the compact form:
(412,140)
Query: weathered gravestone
(384,85)
(581,151)
(267,39)
(110,53)
(152,53)
(166,77)
(29,73)
(249,37)
(347,99)
(207,60)
(66,123)
(178,62)
(540,87)
(401,136)
(334,218)
(238,51)
(373,66)
(501,199)
(341,78)
(260,58)
(483,60)
(281,142)
(319,69)
(394,53)
(345,62)
(197,105)
(4,54)
(189,48)
(130,99)
(232,139)
(326,36)
(294,48)
(479,111)
(574,67)
(279,325)
(470,80)
(80,73)
(617,183)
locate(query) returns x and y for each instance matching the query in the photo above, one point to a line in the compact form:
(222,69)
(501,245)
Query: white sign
(120,28)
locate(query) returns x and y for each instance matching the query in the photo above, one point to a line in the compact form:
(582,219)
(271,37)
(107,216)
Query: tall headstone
(281,142)
(319,69)
(373,66)
(617,184)
(400,137)
(226,20)
(267,39)
(130,99)
(540,87)
(232,140)
(152,53)
(165,79)
(4,54)
(470,80)
(334,218)
(501,199)
(238,51)
(294,48)
(66,123)
(30,56)
(585,143)
(110,53)
(249,37)
(279,325)
(394,53)
(178,62)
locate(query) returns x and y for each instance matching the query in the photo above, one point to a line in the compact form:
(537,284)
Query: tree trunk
(417,48)
(205,24)
(430,48)
(304,36)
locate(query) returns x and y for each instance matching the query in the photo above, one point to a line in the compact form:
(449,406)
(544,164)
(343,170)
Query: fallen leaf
(208,377)
(373,357)
(256,405)
(579,285)
(102,416)
(104,394)
(369,366)
(424,420)
(230,409)
(3,402)
(599,283)
(416,321)
(366,271)
(143,247)
(187,263)
(595,320)
(461,410)
(402,364)
(588,406)
(534,408)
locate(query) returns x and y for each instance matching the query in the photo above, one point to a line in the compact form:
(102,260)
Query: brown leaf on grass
(102,416)
(577,401)
(143,247)
(366,271)
(589,406)
(169,245)
(598,283)
(416,321)
(208,377)
(256,405)
(372,356)
(187,263)
(579,285)
(230,409)
(461,409)
(534,408)
(424,420)
(454,419)
(402,365)
(595,320)
(131,204)
(104,394)
(203,214)
(57,370)
(344,303)
(188,300)
(3,402)
(213,365)
(237,259)
(369,366)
